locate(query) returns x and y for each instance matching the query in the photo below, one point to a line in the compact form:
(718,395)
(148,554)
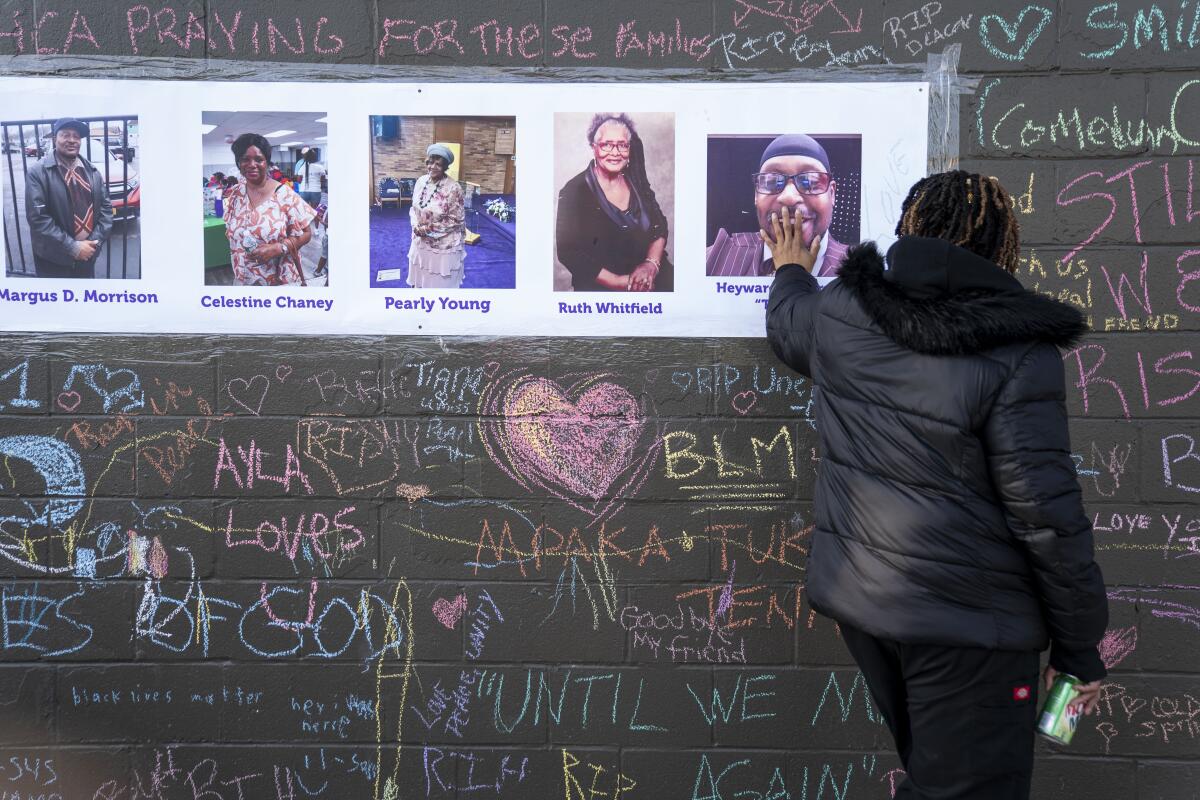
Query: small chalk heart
(69,401)
(282,372)
(742,402)
(449,612)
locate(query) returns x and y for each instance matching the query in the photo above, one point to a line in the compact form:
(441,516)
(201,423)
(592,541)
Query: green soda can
(1059,718)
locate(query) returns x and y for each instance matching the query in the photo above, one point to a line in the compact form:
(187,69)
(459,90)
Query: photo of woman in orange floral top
(266,221)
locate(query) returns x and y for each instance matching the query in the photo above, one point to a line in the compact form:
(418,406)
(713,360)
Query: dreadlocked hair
(972,211)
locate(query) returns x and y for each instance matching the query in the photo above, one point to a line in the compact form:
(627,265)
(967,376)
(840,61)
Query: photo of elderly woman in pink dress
(438,214)
(443,202)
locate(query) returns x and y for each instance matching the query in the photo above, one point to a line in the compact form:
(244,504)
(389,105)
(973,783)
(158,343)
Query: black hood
(935,297)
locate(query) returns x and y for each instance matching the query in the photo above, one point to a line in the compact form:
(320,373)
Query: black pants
(78,270)
(963,718)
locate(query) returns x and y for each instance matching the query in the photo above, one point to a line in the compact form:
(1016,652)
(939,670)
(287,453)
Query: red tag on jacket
(1021,693)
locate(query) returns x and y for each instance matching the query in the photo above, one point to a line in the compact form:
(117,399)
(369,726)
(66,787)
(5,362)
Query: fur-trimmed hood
(934,297)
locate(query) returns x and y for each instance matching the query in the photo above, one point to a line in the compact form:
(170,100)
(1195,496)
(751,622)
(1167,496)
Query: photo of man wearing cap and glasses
(816,178)
(68,212)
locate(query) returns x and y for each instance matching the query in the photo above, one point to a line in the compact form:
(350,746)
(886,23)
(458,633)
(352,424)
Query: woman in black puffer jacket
(951,543)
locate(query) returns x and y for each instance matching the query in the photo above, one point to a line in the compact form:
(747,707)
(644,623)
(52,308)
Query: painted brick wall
(303,568)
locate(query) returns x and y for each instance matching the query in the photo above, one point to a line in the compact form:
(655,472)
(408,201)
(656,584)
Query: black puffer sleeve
(1029,455)
(791,313)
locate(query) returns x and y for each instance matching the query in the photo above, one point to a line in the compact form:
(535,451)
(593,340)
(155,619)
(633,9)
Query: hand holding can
(1060,715)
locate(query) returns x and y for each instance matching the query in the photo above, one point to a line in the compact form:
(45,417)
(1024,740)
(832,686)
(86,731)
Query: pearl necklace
(424,201)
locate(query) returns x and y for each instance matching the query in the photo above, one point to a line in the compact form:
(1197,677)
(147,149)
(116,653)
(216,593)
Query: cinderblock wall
(340,568)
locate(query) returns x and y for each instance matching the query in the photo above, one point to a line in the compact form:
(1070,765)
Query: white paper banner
(701,144)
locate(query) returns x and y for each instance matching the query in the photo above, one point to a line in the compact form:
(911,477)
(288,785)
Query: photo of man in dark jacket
(67,207)
(950,542)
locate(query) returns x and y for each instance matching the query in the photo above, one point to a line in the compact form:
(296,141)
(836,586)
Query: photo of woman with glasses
(611,233)
(793,171)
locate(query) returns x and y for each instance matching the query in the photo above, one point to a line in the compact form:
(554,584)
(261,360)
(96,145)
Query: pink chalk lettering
(482,29)
(530,34)
(1186,278)
(581,35)
(17,33)
(445,38)
(1118,294)
(287,539)
(252,458)
(663,43)
(1067,197)
(1087,376)
(37,35)
(193,31)
(229,32)
(168,32)
(1190,185)
(264,599)
(79,29)
(1161,368)
(1142,376)
(436,37)
(503,39)
(1166,169)
(796,22)
(1112,202)
(627,38)
(1137,217)
(133,29)
(225,462)
(273,34)
(388,35)
(337,41)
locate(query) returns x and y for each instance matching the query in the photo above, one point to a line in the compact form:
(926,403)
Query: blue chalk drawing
(27,624)
(22,400)
(85,562)
(122,397)
(1011,31)
(61,469)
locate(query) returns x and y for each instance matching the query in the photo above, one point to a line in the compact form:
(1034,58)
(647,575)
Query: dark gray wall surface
(291,568)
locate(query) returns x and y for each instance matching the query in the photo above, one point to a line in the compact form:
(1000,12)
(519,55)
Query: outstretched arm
(1029,456)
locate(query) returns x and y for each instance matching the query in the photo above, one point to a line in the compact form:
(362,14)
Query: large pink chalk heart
(588,442)
(581,445)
